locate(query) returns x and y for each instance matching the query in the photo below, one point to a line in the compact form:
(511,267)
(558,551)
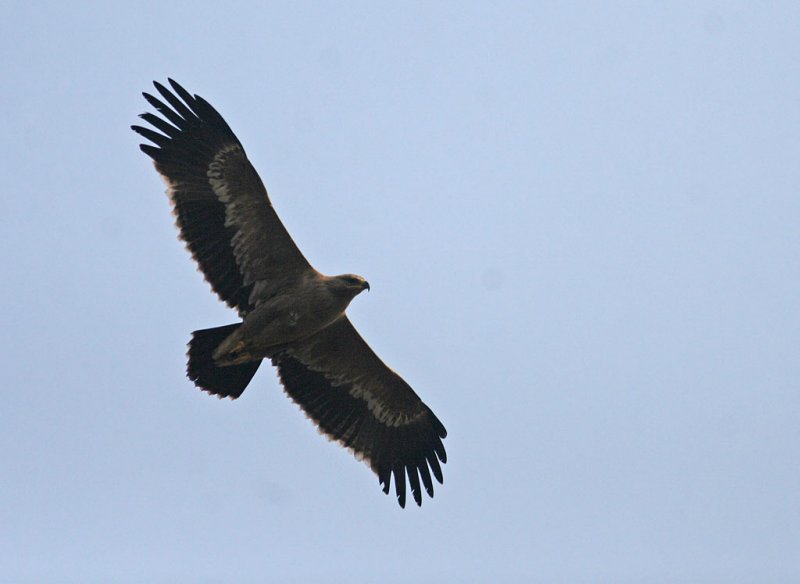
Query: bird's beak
(366,285)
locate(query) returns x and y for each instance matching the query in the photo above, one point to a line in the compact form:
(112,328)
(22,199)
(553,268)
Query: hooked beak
(366,285)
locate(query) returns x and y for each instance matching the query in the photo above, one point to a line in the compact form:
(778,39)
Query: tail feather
(229,381)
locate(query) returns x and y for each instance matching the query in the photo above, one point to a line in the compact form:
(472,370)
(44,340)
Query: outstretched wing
(355,399)
(222,209)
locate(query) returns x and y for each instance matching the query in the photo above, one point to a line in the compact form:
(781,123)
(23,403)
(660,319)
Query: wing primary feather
(416,460)
(168,129)
(165,110)
(384,477)
(207,112)
(425,475)
(413,479)
(440,429)
(183,94)
(438,447)
(176,103)
(437,470)
(151,151)
(156,138)
(400,484)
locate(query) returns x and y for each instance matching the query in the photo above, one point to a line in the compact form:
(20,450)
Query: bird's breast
(287,318)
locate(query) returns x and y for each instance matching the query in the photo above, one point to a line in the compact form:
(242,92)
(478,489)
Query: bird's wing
(355,399)
(221,206)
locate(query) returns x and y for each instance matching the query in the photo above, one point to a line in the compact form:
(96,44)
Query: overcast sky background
(580,224)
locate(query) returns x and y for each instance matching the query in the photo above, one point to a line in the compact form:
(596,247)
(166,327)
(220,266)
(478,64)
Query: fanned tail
(229,381)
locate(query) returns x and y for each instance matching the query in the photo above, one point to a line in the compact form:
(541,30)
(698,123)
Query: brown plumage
(291,314)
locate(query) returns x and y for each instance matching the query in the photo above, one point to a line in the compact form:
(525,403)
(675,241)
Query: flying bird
(290,313)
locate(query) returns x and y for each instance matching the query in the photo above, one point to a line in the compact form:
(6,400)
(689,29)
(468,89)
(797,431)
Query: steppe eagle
(290,313)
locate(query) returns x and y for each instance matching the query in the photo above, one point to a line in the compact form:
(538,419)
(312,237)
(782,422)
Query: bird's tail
(229,381)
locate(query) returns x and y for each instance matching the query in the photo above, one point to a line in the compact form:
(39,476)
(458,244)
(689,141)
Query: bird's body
(305,308)
(291,314)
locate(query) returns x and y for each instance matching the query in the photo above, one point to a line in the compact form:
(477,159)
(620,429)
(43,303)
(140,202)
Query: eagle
(290,313)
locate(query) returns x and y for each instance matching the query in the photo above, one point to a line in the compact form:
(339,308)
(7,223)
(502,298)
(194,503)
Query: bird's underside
(291,314)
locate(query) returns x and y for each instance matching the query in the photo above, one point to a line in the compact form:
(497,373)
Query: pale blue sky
(580,224)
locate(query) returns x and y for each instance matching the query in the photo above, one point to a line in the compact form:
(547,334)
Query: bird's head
(349,285)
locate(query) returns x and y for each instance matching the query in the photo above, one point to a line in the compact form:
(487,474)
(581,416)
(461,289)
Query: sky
(579,221)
